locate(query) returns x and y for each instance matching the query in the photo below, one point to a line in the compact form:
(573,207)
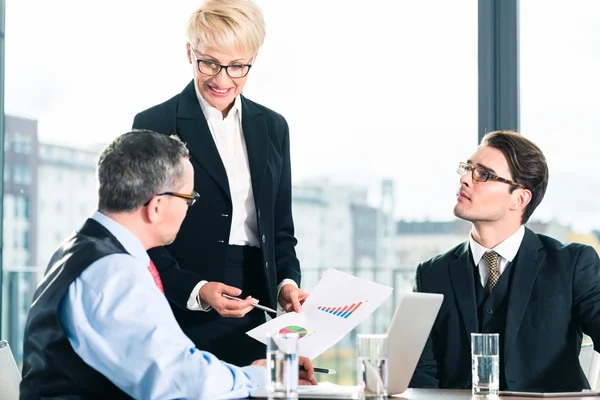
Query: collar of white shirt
(129,241)
(507,249)
(211,113)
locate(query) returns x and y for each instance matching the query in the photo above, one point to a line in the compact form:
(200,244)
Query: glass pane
(560,60)
(381,101)
(382,105)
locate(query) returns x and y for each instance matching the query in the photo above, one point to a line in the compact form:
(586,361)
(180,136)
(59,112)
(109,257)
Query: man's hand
(212,294)
(290,298)
(307,372)
(260,363)
(306,375)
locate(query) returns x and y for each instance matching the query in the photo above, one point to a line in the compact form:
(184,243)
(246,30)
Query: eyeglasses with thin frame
(189,198)
(481,175)
(211,68)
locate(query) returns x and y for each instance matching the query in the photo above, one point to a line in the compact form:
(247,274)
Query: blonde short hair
(227,24)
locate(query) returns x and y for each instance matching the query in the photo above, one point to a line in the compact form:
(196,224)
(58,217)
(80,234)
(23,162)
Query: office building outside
(68,194)
(20,225)
(49,190)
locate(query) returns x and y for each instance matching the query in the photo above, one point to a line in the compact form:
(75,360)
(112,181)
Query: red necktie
(156,276)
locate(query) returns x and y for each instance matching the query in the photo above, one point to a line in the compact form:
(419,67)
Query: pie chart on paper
(294,329)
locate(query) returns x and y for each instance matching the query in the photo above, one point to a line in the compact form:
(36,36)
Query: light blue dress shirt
(120,324)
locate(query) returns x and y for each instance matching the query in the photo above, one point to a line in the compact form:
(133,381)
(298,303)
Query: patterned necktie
(491,258)
(156,276)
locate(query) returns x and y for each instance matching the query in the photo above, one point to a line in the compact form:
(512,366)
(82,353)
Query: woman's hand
(291,298)
(211,293)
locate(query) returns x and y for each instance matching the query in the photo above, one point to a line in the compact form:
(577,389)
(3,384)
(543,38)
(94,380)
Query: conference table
(455,394)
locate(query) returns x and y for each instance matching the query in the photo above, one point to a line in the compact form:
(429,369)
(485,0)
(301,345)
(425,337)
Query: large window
(380,96)
(560,60)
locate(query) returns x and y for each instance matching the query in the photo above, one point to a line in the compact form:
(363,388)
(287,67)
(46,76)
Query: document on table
(337,304)
(324,390)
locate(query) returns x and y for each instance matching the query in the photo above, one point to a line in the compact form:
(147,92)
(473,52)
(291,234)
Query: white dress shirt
(230,142)
(138,345)
(507,251)
(229,139)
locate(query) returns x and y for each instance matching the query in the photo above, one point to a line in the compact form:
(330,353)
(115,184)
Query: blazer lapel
(530,259)
(461,275)
(194,131)
(256,136)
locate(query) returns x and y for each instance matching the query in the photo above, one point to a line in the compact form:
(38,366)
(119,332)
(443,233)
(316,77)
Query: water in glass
(486,370)
(373,376)
(283,369)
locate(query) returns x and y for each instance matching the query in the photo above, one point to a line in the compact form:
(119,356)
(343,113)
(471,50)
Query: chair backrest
(9,374)
(590,363)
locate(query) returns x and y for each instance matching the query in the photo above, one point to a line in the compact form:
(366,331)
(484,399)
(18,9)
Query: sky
(371,90)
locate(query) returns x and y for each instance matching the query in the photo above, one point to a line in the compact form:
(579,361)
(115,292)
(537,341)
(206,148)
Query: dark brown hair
(526,162)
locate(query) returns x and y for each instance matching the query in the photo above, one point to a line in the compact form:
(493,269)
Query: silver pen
(267,309)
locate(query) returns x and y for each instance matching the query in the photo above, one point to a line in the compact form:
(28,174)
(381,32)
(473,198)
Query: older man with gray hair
(100,325)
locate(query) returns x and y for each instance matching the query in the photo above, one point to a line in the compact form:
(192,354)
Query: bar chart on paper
(342,311)
(336,305)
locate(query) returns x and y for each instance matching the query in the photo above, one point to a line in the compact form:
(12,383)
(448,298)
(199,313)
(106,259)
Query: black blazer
(199,252)
(554,296)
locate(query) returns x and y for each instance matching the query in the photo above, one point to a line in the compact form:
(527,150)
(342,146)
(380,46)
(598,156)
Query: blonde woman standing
(239,237)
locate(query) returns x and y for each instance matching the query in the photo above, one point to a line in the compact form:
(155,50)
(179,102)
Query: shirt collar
(131,243)
(211,113)
(507,249)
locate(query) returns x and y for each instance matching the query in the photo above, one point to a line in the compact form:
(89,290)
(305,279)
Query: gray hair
(136,166)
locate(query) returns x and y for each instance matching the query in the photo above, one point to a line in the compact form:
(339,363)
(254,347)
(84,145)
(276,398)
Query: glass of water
(485,361)
(373,365)
(282,365)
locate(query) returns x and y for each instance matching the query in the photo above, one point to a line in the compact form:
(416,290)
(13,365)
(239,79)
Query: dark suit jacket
(554,296)
(200,249)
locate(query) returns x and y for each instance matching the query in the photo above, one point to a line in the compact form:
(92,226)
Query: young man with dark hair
(540,295)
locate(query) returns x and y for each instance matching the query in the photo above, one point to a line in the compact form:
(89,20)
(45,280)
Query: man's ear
(521,199)
(154,209)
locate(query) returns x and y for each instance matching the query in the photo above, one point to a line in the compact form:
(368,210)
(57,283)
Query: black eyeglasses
(234,71)
(481,175)
(189,198)
(211,68)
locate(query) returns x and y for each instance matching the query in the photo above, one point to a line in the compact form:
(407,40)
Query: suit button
(489,311)
(264,239)
(267,266)
(258,213)
(225,215)
(220,241)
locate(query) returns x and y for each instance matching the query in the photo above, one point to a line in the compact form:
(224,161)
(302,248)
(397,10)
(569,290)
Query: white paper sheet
(337,304)
(325,390)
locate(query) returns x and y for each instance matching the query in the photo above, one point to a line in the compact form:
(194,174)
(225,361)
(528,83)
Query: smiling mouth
(219,91)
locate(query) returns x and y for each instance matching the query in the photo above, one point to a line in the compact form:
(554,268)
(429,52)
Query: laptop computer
(10,377)
(407,335)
